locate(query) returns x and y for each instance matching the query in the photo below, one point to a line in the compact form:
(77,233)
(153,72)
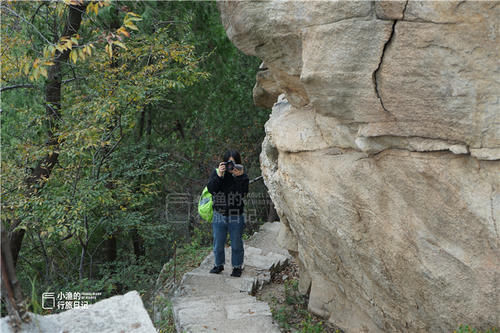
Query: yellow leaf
(130,25)
(120,44)
(73,56)
(122,31)
(26,68)
(52,50)
(36,73)
(43,71)
(109,49)
(81,54)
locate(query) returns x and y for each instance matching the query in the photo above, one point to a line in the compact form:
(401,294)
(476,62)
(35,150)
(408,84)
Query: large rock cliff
(383,154)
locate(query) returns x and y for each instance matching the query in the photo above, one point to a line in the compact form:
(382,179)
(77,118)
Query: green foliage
(289,309)
(309,326)
(282,316)
(167,323)
(186,258)
(34,305)
(202,234)
(468,329)
(292,295)
(152,94)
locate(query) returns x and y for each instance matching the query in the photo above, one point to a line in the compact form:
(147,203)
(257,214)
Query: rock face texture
(383,155)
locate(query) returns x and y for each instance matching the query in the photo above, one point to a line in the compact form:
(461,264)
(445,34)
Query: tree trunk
(138,243)
(82,259)
(110,248)
(145,119)
(16,240)
(149,126)
(53,110)
(11,290)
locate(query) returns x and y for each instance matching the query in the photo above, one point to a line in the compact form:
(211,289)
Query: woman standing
(228,185)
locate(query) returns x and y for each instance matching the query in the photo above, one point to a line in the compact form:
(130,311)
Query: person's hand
(237,172)
(221,169)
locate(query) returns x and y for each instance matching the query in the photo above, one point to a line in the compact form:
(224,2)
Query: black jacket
(228,192)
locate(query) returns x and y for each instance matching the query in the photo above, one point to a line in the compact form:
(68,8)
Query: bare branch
(74,78)
(27,22)
(15,86)
(28,85)
(36,11)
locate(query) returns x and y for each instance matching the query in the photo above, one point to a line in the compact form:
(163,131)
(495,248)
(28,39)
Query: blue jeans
(220,226)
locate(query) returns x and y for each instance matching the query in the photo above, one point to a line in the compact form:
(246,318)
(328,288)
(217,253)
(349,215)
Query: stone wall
(383,154)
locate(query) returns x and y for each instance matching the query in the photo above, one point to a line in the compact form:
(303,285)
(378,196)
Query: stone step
(266,239)
(206,302)
(204,283)
(253,257)
(229,298)
(228,313)
(252,324)
(261,276)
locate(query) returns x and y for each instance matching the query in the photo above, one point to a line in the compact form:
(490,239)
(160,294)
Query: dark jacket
(228,192)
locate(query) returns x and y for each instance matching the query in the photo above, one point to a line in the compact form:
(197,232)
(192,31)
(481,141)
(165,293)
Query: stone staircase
(206,302)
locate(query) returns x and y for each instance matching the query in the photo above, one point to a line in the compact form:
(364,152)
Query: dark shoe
(217,269)
(236,272)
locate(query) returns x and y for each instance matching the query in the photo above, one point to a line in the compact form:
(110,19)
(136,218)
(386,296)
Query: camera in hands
(230,165)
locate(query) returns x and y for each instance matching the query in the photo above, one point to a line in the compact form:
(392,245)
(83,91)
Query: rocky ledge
(382,155)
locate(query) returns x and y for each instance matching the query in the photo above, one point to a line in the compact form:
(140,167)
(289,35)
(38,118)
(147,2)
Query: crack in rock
(375,73)
(492,207)
(386,45)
